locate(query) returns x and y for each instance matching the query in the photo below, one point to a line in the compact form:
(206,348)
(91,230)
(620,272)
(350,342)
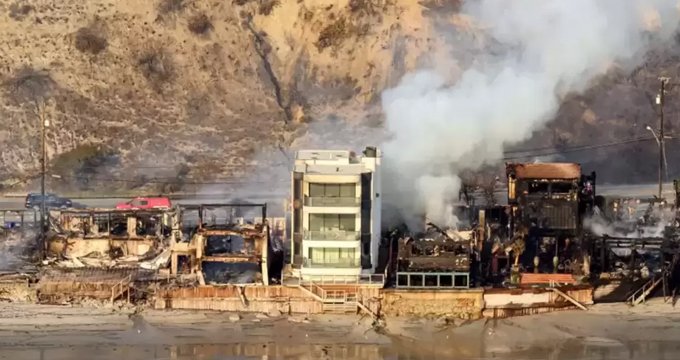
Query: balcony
(328,201)
(332,235)
(338,263)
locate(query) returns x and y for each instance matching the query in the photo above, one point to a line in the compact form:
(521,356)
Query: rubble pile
(17,249)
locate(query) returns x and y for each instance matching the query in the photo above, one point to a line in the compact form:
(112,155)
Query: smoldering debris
(634,223)
(17,249)
(234,273)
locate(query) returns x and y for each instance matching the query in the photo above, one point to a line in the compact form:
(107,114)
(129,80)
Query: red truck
(140,203)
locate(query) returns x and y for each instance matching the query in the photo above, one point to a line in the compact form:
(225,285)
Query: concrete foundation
(465,304)
(287,299)
(502,303)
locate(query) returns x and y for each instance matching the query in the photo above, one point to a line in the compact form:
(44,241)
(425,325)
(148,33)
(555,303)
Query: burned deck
(58,286)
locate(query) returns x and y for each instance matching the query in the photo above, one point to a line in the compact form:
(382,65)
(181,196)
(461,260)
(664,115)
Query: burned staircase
(641,294)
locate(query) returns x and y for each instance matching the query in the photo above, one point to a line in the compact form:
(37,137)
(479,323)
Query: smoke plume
(538,51)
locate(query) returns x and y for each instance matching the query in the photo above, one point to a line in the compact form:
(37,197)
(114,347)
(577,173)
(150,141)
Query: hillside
(169,93)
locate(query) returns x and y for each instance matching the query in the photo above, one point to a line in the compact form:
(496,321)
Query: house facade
(336,211)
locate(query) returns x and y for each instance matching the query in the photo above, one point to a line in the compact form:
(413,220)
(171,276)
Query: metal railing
(640,295)
(332,235)
(332,201)
(340,263)
(361,279)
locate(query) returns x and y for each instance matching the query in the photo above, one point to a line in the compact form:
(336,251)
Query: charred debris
(553,230)
(105,253)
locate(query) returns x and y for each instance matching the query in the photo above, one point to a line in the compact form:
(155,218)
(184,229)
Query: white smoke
(438,193)
(658,220)
(544,50)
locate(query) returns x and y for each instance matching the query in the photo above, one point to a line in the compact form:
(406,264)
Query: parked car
(34,201)
(140,203)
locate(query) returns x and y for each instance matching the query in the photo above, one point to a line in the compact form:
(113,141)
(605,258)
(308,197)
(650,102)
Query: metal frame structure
(201,207)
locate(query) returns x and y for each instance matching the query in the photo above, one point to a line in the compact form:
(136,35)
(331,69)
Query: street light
(45,123)
(653,133)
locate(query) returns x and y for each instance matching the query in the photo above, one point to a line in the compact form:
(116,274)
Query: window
(143,203)
(333,256)
(326,222)
(332,190)
(560,188)
(538,188)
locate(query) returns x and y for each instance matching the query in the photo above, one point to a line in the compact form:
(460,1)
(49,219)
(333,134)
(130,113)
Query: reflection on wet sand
(582,349)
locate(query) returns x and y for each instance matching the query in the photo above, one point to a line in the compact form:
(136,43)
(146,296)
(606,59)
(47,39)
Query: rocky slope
(180,92)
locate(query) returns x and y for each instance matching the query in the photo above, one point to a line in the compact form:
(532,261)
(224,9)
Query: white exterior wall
(339,170)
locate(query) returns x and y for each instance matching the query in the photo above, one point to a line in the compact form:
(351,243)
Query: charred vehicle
(548,202)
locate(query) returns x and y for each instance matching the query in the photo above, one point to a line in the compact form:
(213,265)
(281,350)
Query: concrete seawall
(463,304)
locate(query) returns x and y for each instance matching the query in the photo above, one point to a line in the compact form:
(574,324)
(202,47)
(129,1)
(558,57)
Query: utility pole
(660,100)
(43,172)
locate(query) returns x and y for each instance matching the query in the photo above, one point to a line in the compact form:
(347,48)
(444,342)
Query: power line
(575,148)
(525,153)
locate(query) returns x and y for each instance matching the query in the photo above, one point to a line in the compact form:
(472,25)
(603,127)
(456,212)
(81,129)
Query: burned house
(492,237)
(101,253)
(636,246)
(220,247)
(548,202)
(437,258)
(109,237)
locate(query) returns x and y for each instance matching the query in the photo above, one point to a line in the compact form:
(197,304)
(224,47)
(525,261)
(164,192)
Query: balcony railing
(332,201)
(338,263)
(332,235)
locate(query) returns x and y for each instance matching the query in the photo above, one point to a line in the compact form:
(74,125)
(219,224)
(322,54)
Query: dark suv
(34,201)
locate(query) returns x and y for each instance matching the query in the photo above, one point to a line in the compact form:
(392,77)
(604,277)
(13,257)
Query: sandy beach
(609,331)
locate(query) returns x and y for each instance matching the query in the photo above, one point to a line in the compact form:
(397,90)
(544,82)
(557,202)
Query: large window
(332,222)
(538,188)
(340,257)
(332,190)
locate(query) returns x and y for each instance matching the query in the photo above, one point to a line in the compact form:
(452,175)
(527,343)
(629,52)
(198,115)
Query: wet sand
(605,332)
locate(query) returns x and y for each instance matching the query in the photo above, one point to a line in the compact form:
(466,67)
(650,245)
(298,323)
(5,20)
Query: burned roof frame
(544,171)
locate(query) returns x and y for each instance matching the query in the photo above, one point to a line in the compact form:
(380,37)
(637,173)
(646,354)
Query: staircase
(121,288)
(640,295)
(333,301)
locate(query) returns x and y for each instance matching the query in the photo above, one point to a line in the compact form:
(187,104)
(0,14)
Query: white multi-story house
(336,210)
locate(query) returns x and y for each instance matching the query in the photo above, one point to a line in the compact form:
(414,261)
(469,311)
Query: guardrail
(340,235)
(362,279)
(119,286)
(332,201)
(339,264)
(174,196)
